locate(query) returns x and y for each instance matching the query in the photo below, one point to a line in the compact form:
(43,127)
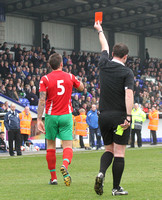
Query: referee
(116,102)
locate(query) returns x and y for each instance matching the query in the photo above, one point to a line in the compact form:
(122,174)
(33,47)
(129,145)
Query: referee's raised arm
(102,38)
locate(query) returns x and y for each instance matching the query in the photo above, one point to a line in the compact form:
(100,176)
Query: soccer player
(116,102)
(57,88)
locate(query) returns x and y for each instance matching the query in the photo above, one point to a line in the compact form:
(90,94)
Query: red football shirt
(58,86)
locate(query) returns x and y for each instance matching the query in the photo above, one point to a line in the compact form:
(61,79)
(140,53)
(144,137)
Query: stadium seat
(140,81)
(33,108)
(24,101)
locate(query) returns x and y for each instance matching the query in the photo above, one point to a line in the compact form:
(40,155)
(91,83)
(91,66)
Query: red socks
(51,160)
(67,156)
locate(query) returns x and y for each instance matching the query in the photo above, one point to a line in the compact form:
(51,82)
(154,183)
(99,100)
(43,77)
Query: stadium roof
(139,16)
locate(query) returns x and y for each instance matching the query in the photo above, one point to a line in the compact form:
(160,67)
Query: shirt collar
(118,61)
(13,112)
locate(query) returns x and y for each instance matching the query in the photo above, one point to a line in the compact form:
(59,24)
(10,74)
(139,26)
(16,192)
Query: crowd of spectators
(21,71)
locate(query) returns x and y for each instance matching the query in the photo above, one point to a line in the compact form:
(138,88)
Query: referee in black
(116,102)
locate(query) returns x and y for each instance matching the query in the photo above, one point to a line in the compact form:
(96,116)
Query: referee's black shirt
(114,79)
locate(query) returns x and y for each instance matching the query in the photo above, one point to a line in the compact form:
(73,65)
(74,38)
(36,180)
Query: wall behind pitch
(132,41)
(61,36)
(89,40)
(154,46)
(19,30)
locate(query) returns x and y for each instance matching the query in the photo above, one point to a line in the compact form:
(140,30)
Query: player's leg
(67,152)
(65,134)
(51,160)
(51,128)
(67,158)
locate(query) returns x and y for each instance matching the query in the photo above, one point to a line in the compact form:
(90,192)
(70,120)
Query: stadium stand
(21,72)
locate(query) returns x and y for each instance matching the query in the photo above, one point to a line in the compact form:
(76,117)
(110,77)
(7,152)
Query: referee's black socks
(117,170)
(106,160)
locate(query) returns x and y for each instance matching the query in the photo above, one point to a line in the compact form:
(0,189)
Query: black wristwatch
(129,121)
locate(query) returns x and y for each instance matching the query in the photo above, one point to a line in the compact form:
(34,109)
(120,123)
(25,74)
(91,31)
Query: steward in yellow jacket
(153,124)
(81,126)
(138,117)
(25,124)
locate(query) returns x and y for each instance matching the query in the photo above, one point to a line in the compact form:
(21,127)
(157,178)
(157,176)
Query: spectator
(3,146)
(83,99)
(92,121)
(74,57)
(137,91)
(16,97)
(6,69)
(138,117)
(4,46)
(14,48)
(85,93)
(2,108)
(10,92)
(46,43)
(147,54)
(53,50)
(145,108)
(7,109)
(3,89)
(18,73)
(32,97)
(12,124)
(14,78)
(25,124)
(27,80)
(75,104)
(81,126)
(153,124)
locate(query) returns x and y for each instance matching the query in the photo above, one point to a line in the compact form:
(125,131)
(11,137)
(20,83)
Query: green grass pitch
(27,177)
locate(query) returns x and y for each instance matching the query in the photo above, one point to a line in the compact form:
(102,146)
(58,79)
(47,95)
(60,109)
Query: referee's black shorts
(108,122)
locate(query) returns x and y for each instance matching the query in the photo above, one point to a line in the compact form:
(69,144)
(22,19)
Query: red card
(98,16)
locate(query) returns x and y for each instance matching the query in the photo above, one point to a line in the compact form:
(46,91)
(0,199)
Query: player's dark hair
(55,60)
(120,50)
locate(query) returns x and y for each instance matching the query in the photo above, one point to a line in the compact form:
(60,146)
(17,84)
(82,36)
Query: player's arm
(41,105)
(81,87)
(77,84)
(102,38)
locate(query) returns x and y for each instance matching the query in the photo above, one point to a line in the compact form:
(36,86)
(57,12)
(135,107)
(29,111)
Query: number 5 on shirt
(59,86)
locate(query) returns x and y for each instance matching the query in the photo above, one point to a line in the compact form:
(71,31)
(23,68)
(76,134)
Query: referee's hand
(126,124)
(40,126)
(98,26)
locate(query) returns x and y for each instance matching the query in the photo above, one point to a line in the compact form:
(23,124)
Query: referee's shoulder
(128,70)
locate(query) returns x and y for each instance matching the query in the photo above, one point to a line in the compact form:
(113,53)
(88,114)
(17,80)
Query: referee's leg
(105,162)
(118,168)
